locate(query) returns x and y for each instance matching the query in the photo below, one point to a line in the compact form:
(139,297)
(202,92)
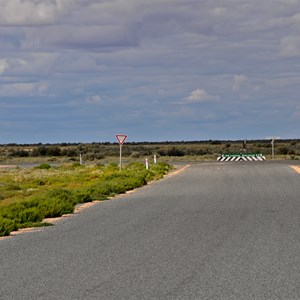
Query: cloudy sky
(156,70)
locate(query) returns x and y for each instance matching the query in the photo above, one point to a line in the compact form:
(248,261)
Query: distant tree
(39,151)
(53,151)
(174,151)
(19,153)
(283,150)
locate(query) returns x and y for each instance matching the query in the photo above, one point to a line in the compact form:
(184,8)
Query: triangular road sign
(121,138)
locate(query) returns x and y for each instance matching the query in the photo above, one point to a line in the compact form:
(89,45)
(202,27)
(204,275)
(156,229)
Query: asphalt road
(213,231)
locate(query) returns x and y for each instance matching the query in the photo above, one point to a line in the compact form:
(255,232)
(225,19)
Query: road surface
(213,231)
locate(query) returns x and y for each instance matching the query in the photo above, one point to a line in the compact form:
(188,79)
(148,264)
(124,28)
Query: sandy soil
(296,168)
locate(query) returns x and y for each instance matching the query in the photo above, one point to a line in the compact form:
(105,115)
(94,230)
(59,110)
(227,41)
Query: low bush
(44,166)
(7,226)
(54,207)
(12,187)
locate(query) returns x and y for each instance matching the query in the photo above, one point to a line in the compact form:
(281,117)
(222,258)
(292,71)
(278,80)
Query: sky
(156,70)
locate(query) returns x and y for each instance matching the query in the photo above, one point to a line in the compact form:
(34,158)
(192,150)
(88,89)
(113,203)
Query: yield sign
(121,138)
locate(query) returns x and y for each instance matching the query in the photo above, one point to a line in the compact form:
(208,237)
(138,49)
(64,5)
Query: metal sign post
(244,145)
(121,139)
(273,145)
(120,161)
(273,138)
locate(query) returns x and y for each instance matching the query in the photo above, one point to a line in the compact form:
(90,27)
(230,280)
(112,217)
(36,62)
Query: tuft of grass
(7,226)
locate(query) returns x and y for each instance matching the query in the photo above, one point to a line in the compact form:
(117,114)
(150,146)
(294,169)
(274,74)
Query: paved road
(214,231)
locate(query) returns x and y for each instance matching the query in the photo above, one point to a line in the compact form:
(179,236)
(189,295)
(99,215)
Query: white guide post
(147,165)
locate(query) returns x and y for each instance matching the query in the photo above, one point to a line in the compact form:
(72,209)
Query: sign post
(273,138)
(244,145)
(121,139)
(273,151)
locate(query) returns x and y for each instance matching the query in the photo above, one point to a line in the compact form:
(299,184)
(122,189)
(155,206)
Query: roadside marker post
(147,164)
(121,139)
(155,158)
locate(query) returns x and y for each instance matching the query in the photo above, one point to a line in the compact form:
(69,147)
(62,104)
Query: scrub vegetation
(29,195)
(166,151)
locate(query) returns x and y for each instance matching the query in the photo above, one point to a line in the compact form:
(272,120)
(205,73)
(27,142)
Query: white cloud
(200,95)
(3,66)
(22,89)
(238,81)
(290,46)
(10,64)
(95,99)
(34,64)
(42,87)
(283,82)
(30,12)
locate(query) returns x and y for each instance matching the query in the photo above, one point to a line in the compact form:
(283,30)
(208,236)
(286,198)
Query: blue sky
(159,70)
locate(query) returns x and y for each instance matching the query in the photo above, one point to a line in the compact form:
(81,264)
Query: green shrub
(7,226)
(54,207)
(60,194)
(13,211)
(12,187)
(100,190)
(30,215)
(83,196)
(57,202)
(43,166)
(112,167)
(39,182)
(158,170)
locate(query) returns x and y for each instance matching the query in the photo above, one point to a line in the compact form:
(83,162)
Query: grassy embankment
(28,196)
